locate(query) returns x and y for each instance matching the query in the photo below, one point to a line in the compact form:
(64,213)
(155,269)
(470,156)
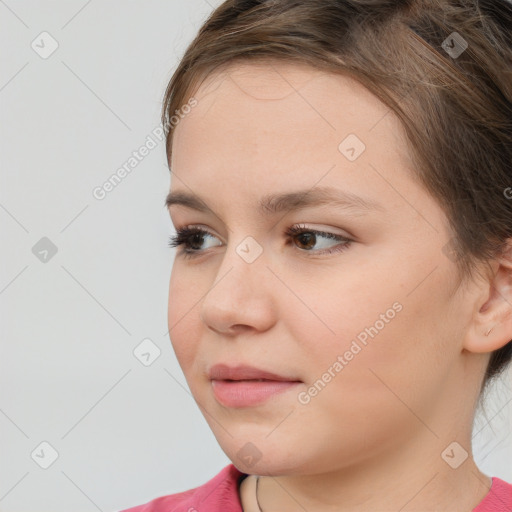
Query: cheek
(369,329)
(360,388)
(182,318)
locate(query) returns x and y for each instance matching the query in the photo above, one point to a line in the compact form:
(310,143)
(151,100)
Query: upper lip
(244,372)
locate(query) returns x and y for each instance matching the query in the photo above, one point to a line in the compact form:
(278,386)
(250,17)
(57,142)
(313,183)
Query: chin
(263,458)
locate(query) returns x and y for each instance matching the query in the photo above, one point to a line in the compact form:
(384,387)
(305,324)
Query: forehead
(257,126)
(268,97)
(285,85)
(260,80)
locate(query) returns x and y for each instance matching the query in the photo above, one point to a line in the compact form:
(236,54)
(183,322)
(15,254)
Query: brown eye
(189,238)
(309,238)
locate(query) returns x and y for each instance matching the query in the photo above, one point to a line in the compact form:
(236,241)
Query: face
(361,306)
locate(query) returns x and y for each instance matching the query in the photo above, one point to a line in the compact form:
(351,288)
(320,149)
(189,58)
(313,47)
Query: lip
(245,372)
(247,393)
(245,386)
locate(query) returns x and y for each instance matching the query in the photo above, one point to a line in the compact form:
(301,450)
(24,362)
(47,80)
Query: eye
(191,237)
(309,237)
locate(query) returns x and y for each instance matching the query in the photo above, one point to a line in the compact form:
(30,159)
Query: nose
(241,297)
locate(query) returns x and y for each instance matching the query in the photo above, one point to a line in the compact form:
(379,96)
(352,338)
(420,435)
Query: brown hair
(455,102)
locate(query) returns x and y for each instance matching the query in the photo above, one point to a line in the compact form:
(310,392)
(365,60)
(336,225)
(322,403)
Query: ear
(491,328)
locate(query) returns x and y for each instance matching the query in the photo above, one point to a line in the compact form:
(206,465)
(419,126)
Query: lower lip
(244,393)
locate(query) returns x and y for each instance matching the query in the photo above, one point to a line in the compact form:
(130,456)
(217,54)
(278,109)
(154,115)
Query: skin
(372,439)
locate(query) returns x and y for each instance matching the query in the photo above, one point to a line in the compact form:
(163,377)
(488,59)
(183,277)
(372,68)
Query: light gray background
(125,433)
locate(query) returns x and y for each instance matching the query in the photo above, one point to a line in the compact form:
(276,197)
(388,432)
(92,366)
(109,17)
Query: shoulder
(498,499)
(220,493)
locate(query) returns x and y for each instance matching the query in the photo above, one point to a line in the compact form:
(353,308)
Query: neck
(418,482)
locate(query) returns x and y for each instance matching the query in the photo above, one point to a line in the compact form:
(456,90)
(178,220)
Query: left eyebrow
(273,204)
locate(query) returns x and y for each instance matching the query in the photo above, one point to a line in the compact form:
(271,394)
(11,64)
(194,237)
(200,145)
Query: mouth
(250,392)
(242,385)
(255,380)
(241,372)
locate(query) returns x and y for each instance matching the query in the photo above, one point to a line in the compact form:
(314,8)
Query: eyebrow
(273,204)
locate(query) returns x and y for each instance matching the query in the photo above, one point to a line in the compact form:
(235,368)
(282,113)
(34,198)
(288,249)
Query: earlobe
(489,339)
(492,323)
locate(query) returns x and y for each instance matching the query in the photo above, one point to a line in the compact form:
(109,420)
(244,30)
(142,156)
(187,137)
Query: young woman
(342,293)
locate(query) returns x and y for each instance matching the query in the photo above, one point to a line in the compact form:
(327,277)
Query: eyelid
(200,226)
(326,228)
(180,225)
(315,227)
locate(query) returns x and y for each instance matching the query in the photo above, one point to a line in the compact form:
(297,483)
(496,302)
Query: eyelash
(183,236)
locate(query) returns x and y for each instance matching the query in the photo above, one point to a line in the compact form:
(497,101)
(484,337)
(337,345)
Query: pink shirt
(220,494)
